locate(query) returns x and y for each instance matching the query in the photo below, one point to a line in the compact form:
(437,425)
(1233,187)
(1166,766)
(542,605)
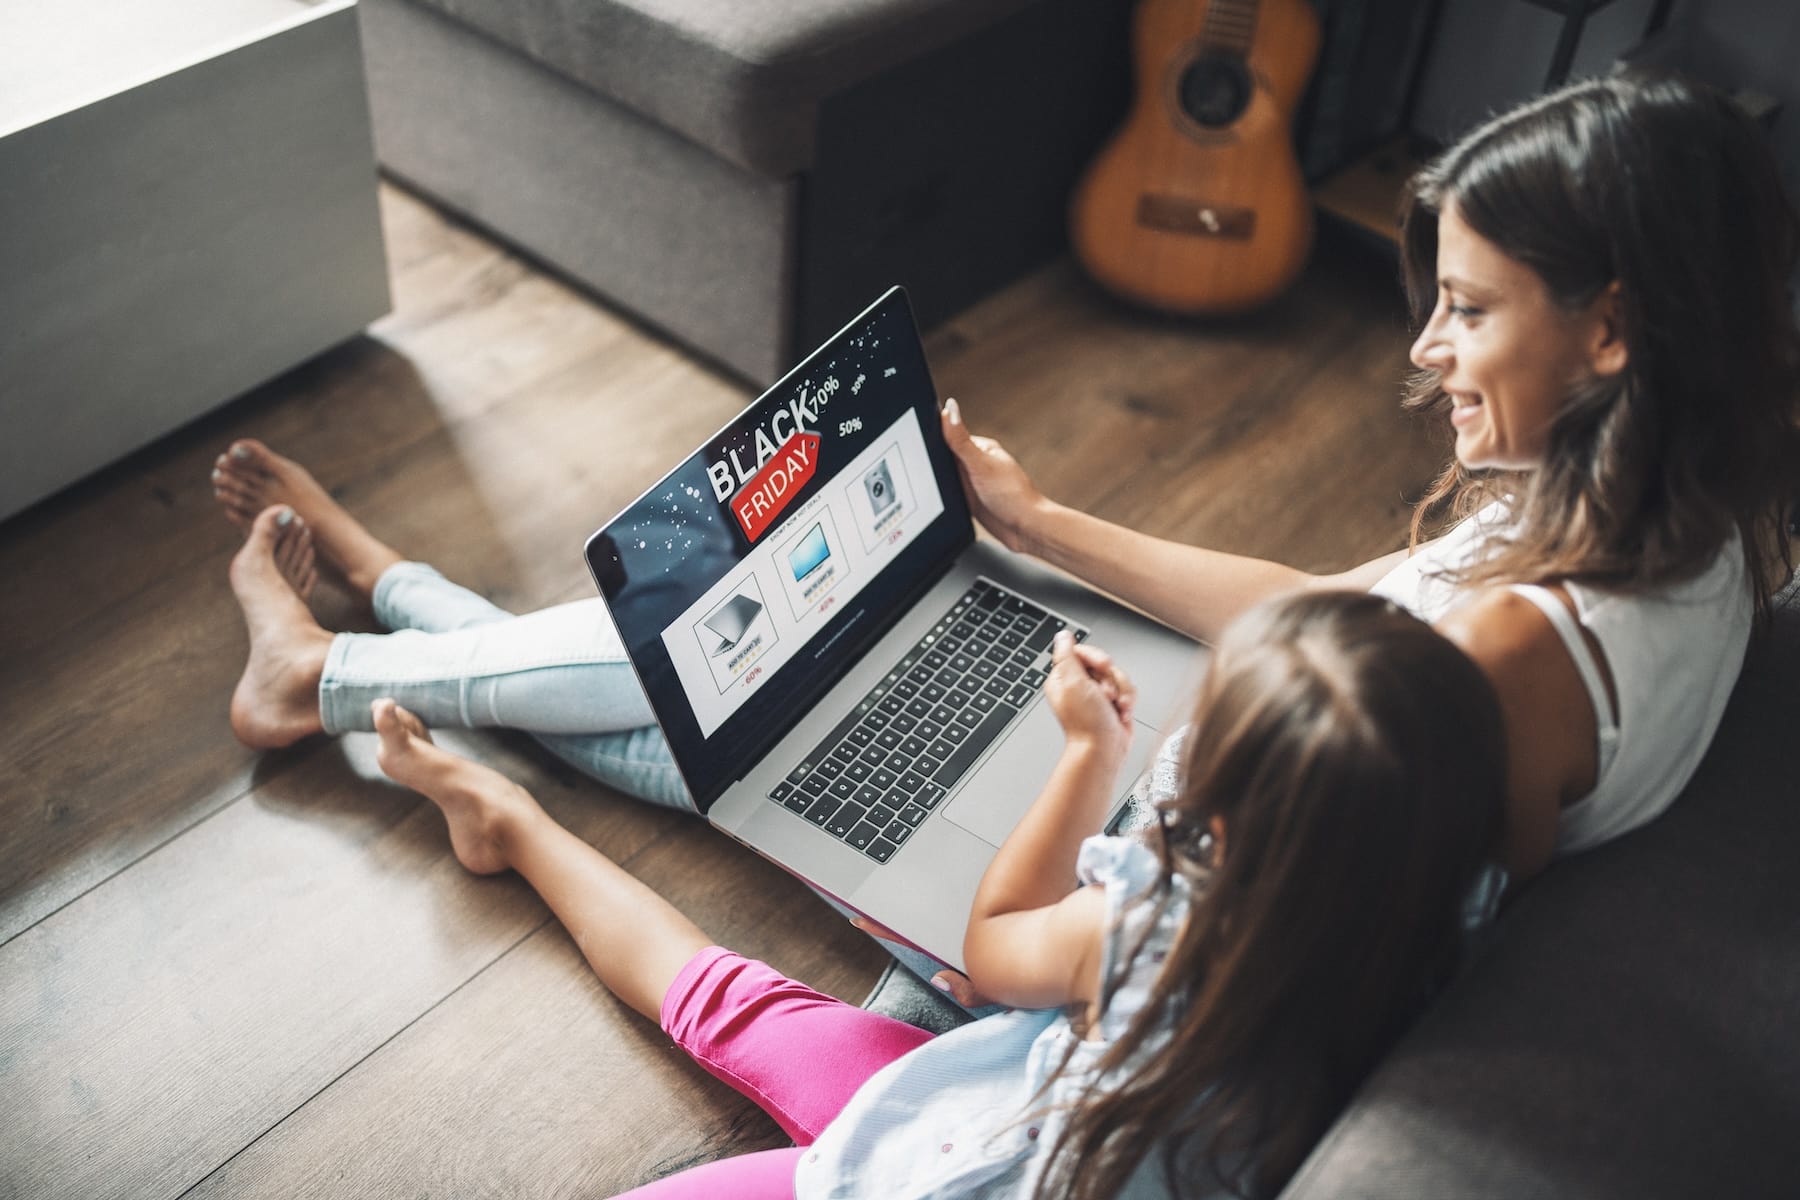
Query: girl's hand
(1001,495)
(1091,696)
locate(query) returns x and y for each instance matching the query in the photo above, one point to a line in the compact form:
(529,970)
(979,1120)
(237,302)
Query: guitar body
(1197,205)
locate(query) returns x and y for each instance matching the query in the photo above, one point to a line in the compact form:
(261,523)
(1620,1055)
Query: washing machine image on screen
(878,482)
(880,498)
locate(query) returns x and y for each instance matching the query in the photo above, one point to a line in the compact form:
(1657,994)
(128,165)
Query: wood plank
(1278,436)
(533,1080)
(154,1027)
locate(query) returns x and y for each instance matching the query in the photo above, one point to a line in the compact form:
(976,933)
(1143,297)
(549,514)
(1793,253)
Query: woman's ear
(1607,352)
(1216,827)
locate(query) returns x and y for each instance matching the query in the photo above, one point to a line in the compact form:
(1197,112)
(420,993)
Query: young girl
(1190,1021)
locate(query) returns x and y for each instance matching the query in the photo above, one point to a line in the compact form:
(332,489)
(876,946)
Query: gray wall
(1747,44)
(1489,54)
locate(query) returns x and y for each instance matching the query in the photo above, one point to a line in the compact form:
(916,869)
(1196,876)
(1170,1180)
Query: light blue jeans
(458,660)
(559,674)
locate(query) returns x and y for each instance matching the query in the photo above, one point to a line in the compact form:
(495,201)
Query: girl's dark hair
(1355,759)
(1667,188)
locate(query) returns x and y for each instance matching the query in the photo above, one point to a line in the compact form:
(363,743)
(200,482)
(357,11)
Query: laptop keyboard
(890,763)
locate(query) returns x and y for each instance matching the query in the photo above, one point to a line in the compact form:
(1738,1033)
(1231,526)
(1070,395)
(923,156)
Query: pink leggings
(798,1053)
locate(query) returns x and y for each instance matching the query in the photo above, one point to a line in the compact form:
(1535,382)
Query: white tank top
(1674,655)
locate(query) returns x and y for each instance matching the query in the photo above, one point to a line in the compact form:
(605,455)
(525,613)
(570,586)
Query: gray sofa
(1631,1029)
(746,174)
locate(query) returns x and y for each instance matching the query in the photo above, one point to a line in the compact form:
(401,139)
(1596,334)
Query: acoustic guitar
(1197,204)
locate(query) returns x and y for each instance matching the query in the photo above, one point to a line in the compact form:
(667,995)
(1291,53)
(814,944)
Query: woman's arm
(1194,590)
(1034,939)
(1552,756)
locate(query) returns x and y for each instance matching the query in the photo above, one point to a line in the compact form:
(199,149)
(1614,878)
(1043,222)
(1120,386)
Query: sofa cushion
(1629,1029)
(741,77)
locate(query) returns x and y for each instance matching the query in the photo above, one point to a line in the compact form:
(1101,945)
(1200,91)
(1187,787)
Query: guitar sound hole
(1214,90)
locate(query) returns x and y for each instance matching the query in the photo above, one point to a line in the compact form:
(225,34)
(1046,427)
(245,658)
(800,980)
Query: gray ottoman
(747,174)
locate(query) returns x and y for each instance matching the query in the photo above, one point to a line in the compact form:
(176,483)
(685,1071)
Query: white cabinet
(187,209)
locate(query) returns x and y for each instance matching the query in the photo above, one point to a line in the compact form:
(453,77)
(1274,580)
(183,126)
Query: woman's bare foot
(480,804)
(250,477)
(276,702)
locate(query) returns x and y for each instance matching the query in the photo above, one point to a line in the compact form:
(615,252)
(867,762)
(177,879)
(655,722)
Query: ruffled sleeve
(1130,872)
(1123,865)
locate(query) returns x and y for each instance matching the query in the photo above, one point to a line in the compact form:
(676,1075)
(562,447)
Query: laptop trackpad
(1007,784)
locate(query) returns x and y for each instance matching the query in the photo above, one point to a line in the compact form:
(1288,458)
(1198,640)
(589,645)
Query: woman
(1600,277)
(1618,361)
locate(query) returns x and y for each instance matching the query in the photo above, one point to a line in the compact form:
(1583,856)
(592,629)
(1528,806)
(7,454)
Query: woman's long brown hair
(1666,188)
(1355,760)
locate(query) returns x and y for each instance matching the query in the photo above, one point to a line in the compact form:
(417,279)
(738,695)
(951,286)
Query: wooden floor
(231,974)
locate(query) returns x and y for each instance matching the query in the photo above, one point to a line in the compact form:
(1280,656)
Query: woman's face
(1504,351)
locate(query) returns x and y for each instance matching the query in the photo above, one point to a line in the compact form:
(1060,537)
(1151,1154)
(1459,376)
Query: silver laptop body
(784,592)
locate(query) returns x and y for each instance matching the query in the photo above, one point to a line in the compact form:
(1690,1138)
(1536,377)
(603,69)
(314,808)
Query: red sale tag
(779,481)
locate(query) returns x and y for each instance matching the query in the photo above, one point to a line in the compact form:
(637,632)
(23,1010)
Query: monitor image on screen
(810,554)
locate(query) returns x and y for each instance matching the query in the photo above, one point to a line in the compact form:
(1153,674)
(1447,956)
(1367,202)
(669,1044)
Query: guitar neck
(1230,26)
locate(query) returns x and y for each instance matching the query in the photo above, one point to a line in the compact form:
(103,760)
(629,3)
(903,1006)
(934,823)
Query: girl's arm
(1194,590)
(1034,939)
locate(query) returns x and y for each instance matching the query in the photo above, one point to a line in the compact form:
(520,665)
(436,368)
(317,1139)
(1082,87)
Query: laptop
(849,680)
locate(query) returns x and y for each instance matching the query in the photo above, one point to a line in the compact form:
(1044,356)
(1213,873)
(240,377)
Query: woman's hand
(1092,697)
(950,981)
(1002,496)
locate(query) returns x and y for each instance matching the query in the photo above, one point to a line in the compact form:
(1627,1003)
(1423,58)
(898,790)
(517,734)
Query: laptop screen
(749,580)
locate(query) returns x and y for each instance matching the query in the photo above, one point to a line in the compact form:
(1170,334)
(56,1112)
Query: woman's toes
(241,490)
(248,452)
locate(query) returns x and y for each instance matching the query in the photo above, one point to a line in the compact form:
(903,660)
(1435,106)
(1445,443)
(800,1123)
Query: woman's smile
(1505,353)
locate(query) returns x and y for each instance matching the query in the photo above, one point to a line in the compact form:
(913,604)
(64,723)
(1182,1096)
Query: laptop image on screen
(850,682)
(732,621)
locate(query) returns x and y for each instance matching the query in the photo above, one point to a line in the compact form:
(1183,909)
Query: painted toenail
(240,452)
(285,517)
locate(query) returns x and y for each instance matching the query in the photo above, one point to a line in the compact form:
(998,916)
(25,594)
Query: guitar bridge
(1197,218)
